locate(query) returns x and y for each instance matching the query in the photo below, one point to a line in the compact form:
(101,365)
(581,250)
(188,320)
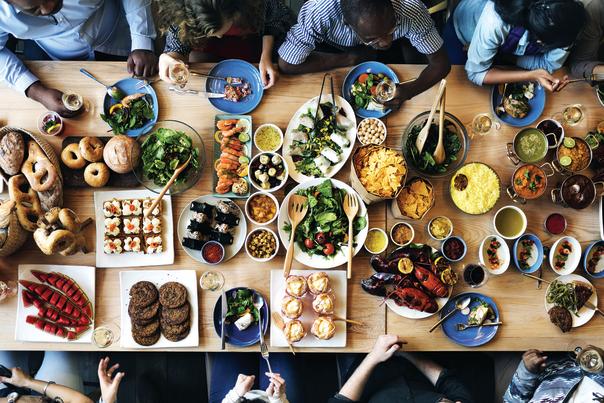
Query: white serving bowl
(376,252)
(247,238)
(380,123)
(247,212)
(503,253)
(573,259)
(253,180)
(278,131)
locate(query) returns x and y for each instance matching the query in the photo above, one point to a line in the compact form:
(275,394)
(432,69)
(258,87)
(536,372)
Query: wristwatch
(13,397)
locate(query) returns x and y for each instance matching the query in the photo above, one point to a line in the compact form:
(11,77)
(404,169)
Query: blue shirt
(321,21)
(478,25)
(81,27)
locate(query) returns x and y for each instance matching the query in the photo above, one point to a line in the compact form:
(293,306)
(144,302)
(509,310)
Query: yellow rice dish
(475,188)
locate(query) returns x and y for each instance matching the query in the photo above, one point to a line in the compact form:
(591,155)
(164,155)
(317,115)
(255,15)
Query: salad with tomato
(325,227)
(364,90)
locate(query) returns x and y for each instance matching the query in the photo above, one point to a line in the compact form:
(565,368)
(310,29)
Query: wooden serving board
(74,178)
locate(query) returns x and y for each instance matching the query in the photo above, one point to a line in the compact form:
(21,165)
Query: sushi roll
(339,140)
(229,219)
(322,164)
(205,208)
(331,155)
(226,207)
(201,227)
(190,243)
(223,228)
(200,217)
(224,239)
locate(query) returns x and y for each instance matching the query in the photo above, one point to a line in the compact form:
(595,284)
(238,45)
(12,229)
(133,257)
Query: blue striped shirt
(321,22)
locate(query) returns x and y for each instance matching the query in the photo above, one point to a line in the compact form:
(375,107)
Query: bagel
(29,209)
(91,149)
(72,158)
(37,168)
(54,242)
(96,174)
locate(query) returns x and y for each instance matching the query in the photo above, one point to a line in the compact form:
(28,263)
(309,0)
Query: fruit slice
(569,142)
(405,265)
(566,161)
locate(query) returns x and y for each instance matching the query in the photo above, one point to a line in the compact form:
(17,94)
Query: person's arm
(268,73)
(525,380)
(21,380)
(384,348)
(584,57)
(550,61)
(142,60)
(242,386)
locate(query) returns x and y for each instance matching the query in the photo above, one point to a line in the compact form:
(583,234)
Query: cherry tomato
(373,90)
(363,77)
(320,238)
(329,249)
(309,243)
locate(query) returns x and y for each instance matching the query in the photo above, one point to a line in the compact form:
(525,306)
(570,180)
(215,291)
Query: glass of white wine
(571,115)
(179,74)
(485,123)
(105,335)
(211,281)
(385,91)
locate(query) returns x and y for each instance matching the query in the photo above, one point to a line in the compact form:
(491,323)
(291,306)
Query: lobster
(430,282)
(414,298)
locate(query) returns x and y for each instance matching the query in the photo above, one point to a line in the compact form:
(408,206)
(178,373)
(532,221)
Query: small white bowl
(450,230)
(524,222)
(503,253)
(247,212)
(406,225)
(247,238)
(376,252)
(253,179)
(573,259)
(382,124)
(278,131)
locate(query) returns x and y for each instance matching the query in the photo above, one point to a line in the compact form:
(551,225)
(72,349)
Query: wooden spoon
(439,152)
(296,210)
(177,172)
(352,322)
(423,134)
(351,208)
(278,321)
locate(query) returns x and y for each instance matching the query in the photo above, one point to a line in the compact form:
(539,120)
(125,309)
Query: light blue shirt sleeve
(12,70)
(550,61)
(140,20)
(303,36)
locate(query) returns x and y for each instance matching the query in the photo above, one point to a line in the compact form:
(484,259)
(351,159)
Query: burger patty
(561,317)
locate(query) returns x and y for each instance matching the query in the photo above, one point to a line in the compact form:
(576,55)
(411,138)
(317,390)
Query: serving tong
(333,97)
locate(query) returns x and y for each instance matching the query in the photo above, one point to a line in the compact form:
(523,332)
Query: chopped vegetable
(130,113)
(241,304)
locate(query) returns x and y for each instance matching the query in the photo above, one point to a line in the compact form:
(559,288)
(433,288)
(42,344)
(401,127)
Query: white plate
(316,261)
(238,236)
(293,124)
(585,314)
(337,279)
(573,259)
(503,253)
(83,275)
(187,278)
(129,259)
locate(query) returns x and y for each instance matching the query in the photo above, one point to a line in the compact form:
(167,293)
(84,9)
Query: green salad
(132,112)
(424,162)
(240,304)
(325,227)
(364,90)
(163,151)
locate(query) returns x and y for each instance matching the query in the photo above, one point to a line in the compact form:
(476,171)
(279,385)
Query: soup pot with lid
(577,192)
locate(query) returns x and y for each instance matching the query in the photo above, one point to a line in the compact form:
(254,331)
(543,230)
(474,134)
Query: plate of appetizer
(241,323)
(210,218)
(232,155)
(518,104)
(127,239)
(131,109)
(472,326)
(565,301)
(494,254)
(361,86)
(528,253)
(55,304)
(593,259)
(320,237)
(242,86)
(309,302)
(565,255)
(319,149)
(159,309)
(416,279)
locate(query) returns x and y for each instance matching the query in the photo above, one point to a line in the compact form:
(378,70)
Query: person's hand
(400,96)
(276,388)
(19,378)
(166,62)
(360,54)
(561,84)
(385,347)
(546,80)
(534,361)
(268,72)
(244,384)
(109,383)
(51,98)
(142,63)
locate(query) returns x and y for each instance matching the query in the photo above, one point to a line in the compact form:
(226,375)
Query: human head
(37,7)
(202,19)
(373,21)
(555,23)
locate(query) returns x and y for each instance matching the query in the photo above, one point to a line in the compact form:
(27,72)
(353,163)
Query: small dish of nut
(371,131)
(262,244)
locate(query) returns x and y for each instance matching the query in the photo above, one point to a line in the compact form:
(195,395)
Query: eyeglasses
(373,41)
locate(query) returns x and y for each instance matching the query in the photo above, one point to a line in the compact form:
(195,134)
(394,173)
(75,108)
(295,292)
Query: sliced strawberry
(31,319)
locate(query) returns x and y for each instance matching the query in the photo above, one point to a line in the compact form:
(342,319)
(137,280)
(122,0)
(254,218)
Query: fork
(463,326)
(258,303)
(351,208)
(143,83)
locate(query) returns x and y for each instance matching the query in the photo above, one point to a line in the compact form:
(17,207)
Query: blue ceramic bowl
(587,256)
(235,68)
(234,336)
(472,337)
(537,105)
(538,244)
(465,249)
(129,86)
(354,73)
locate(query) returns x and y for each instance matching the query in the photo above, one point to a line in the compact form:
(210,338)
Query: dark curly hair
(197,19)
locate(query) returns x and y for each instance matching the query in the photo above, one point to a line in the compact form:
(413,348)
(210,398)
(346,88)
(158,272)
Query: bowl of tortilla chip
(378,173)
(414,200)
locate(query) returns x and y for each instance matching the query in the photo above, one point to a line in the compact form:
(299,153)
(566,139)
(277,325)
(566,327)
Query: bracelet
(48,383)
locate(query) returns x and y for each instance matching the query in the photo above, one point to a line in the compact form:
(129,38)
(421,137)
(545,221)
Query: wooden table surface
(520,303)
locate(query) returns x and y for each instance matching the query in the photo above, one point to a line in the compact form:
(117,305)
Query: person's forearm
(429,368)
(316,61)
(54,390)
(438,68)
(500,76)
(268,42)
(599,69)
(354,386)
(35,91)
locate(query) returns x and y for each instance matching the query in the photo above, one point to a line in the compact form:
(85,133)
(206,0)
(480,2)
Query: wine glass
(211,281)
(571,115)
(7,289)
(106,334)
(484,123)
(179,73)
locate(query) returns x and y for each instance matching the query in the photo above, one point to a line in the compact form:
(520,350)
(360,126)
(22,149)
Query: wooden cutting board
(74,178)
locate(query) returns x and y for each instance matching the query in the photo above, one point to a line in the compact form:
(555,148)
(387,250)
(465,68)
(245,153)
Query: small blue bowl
(538,244)
(465,248)
(586,257)
(354,73)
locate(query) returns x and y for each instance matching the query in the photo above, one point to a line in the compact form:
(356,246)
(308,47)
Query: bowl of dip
(268,138)
(530,145)
(402,234)
(376,241)
(454,248)
(440,228)
(212,252)
(510,222)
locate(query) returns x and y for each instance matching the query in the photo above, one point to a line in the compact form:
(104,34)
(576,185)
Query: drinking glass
(485,123)
(211,281)
(385,91)
(106,334)
(590,358)
(571,115)
(475,275)
(179,73)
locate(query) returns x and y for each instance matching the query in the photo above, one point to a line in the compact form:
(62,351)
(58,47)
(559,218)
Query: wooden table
(521,305)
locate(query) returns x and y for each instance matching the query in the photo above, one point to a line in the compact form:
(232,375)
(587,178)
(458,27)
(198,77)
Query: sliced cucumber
(566,161)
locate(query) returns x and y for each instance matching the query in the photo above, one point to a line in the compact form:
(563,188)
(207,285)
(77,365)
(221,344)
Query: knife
(278,321)
(224,308)
(195,92)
